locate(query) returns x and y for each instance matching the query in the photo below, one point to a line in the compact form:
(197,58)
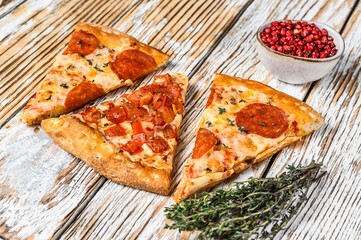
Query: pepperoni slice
(158,144)
(91,115)
(132,64)
(169,132)
(210,98)
(205,140)
(262,119)
(83,93)
(83,43)
(116,114)
(134,112)
(114,131)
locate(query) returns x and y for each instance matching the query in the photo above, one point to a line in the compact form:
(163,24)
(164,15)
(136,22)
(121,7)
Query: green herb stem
(256,208)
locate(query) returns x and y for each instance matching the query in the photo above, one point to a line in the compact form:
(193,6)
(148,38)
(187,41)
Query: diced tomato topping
(114,131)
(134,112)
(157,116)
(179,107)
(159,100)
(137,127)
(116,114)
(157,144)
(146,98)
(167,113)
(169,132)
(139,138)
(139,98)
(175,91)
(134,146)
(91,115)
(165,77)
(204,142)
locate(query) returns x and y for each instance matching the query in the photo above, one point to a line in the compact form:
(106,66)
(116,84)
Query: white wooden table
(47,193)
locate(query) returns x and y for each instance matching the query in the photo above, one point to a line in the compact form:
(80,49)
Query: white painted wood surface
(43,187)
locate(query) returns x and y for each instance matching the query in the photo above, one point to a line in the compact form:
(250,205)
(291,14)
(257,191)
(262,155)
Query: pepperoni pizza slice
(131,140)
(97,60)
(244,122)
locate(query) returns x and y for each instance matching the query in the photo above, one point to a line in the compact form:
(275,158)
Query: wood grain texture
(41,185)
(37,35)
(143,218)
(189,41)
(333,210)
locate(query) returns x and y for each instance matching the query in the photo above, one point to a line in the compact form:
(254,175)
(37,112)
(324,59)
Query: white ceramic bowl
(298,70)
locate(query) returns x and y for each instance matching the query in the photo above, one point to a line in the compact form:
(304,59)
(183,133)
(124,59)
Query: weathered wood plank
(333,209)
(29,50)
(188,45)
(11,227)
(235,56)
(41,185)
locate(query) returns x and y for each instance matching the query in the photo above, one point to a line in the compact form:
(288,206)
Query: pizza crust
(39,107)
(88,145)
(307,118)
(111,38)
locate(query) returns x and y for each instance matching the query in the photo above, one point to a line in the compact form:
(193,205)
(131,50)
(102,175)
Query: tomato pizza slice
(131,140)
(97,60)
(244,122)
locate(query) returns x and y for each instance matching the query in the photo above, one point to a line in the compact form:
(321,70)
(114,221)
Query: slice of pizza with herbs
(97,60)
(131,140)
(244,122)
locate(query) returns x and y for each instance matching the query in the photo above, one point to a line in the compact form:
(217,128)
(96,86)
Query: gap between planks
(82,206)
(313,85)
(24,104)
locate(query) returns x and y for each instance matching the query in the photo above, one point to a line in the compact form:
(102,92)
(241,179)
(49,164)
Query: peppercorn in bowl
(298,52)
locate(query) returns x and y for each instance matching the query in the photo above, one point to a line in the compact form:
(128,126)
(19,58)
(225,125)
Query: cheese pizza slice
(131,140)
(244,122)
(97,60)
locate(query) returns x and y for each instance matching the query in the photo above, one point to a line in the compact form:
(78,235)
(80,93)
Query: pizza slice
(97,60)
(131,140)
(244,122)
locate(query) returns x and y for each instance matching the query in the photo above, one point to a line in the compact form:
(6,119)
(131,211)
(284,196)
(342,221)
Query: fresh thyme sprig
(257,208)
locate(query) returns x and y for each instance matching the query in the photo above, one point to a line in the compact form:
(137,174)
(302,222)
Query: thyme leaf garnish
(221,110)
(257,208)
(269,100)
(209,123)
(230,121)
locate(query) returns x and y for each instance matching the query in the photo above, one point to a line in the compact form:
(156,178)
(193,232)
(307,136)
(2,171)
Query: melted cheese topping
(147,157)
(67,72)
(234,146)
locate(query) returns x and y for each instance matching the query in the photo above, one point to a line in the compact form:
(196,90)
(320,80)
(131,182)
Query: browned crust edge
(88,145)
(303,111)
